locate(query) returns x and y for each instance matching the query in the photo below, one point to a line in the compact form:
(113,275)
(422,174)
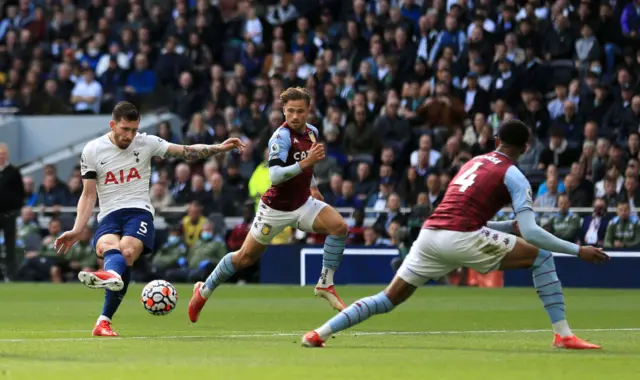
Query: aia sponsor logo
(122,176)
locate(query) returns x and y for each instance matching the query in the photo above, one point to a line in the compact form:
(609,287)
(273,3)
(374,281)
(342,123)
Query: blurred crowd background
(404,93)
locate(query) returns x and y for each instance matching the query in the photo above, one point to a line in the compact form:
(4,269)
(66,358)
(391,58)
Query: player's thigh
(107,234)
(522,256)
(131,249)
(138,235)
(482,250)
(317,216)
(425,260)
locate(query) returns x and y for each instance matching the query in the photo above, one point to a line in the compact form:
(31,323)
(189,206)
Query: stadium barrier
(301,265)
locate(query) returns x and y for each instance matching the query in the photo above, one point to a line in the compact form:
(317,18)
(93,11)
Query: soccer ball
(159,297)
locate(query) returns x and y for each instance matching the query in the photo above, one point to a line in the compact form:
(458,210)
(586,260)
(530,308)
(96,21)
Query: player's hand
(592,254)
(316,154)
(316,194)
(231,144)
(64,243)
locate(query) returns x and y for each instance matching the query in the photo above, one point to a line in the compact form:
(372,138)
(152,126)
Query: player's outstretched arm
(202,151)
(86,203)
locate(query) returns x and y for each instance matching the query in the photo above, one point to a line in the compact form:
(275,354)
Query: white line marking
(286,334)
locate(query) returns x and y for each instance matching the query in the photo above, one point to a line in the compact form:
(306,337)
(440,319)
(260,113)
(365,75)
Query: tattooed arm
(202,151)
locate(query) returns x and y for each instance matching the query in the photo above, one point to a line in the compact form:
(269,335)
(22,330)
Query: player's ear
(112,124)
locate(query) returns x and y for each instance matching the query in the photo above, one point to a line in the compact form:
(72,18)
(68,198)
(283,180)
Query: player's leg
(549,289)
(131,249)
(396,293)
(107,246)
(266,225)
(419,266)
(317,216)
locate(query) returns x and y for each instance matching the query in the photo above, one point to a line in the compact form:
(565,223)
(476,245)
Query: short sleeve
(519,189)
(88,167)
(157,145)
(279,145)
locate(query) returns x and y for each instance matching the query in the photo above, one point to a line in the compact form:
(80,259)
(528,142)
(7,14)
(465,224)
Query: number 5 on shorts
(467,178)
(143,228)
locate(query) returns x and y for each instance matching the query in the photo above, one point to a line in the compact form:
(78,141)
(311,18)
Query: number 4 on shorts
(468,178)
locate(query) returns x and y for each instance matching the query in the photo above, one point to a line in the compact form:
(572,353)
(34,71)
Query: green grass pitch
(253,332)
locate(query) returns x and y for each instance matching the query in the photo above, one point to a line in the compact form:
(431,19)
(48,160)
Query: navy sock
(112,300)
(114,261)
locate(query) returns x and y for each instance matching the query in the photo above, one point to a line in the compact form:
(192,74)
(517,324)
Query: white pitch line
(286,334)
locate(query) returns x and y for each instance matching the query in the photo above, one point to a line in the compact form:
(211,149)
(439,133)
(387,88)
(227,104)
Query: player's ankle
(205,292)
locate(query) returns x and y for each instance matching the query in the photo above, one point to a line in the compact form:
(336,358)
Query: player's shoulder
(314,129)
(281,133)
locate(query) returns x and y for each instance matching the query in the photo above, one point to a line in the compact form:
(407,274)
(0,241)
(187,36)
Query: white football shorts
(437,252)
(269,222)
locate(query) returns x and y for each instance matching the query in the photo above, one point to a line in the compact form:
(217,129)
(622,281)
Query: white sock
(324,331)
(562,328)
(205,292)
(114,272)
(103,318)
(326,277)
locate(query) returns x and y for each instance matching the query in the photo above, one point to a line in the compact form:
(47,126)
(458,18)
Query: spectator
(564,224)
(202,257)
(192,223)
(41,265)
(550,197)
(595,225)
(170,253)
(87,94)
(623,231)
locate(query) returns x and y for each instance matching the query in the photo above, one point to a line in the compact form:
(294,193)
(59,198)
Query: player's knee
(130,255)
(104,247)
(340,229)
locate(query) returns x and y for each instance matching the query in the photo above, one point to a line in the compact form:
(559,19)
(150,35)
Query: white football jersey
(122,176)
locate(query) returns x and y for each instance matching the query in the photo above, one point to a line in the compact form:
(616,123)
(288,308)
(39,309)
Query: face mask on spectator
(206,235)
(173,239)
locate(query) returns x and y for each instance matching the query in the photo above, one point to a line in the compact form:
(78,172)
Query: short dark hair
(514,133)
(295,93)
(125,111)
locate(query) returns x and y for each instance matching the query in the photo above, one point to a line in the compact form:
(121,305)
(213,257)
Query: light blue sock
(548,286)
(223,271)
(331,258)
(357,312)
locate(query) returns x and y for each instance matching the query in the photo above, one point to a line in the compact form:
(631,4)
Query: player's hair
(125,111)
(514,133)
(295,93)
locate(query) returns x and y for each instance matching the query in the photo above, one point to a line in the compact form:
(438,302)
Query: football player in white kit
(117,168)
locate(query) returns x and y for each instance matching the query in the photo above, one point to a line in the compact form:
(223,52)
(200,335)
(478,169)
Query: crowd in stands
(404,92)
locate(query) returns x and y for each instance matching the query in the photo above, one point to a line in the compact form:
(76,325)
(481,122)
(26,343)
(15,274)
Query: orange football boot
(312,339)
(573,343)
(101,280)
(104,329)
(196,303)
(329,293)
